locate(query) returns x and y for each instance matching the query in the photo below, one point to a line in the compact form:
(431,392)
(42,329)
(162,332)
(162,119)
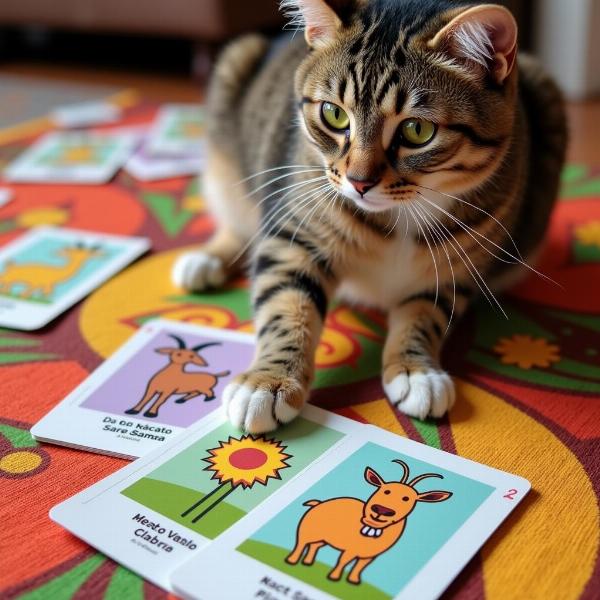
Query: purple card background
(126,386)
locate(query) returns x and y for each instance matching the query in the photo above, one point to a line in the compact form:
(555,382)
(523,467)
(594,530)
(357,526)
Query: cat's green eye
(334,116)
(418,132)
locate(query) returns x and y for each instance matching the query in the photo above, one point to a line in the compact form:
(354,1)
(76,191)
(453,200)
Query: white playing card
(160,366)
(157,512)
(178,129)
(73,157)
(85,114)
(6,195)
(47,270)
(398,518)
(147,167)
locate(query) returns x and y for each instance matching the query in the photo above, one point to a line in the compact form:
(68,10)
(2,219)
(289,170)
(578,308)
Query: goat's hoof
(132,411)
(151,415)
(422,394)
(353,581)
(198,271)
(258,402)
(180,401)
(209,398)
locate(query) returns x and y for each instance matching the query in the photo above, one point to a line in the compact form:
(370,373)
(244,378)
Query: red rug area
(528,388)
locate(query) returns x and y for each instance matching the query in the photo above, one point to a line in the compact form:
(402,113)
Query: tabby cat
(395,156)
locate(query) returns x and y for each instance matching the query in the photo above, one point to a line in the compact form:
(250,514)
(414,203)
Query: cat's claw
(422,394)
(197,271)
(262,402)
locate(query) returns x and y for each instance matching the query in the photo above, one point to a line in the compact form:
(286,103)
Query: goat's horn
(404,467)
(179,341)
(202,346)
(424,476)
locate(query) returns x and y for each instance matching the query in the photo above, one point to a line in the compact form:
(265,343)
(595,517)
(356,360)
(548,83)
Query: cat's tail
(234,69)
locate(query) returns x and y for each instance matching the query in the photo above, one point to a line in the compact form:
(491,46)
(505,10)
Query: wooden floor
(584,117)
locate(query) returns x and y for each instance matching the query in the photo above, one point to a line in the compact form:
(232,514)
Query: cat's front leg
(412,377)
(292,283)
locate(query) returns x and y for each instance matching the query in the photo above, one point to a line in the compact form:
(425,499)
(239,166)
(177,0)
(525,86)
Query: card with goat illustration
(48,269)
(383,517)
(165,378)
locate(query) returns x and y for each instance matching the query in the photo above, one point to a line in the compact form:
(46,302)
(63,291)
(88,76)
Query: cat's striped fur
(443,223)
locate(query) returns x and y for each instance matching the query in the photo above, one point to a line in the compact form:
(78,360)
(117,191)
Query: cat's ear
(484,38)
(318,18)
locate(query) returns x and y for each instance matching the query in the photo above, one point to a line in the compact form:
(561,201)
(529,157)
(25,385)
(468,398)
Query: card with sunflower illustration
(73,157)
(178,129)
(155,513)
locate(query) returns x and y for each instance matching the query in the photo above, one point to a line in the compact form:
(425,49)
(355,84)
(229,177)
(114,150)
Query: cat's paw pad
(260,402)
(197,271)
(422,394)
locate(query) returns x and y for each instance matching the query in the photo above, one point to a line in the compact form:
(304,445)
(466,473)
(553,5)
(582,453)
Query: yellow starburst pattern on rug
(589,234)
(247,460)
(527,352)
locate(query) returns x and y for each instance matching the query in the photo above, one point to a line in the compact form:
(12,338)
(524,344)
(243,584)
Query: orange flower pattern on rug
(526,352)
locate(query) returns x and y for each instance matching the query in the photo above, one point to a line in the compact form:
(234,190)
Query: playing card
(47,270)
(179,129)
(6,195)
(85,114)
(164,379)
(73,157)
(154,514)
(382,517)
(148,167)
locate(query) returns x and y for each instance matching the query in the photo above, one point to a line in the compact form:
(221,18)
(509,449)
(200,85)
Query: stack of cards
(48,269)
(174,147)
(322,508)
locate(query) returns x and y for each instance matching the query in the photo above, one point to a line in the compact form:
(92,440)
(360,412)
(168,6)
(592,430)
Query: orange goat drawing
(361,531)
(42,278)
(174,379)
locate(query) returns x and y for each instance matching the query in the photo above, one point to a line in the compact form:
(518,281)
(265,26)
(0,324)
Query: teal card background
(44,251)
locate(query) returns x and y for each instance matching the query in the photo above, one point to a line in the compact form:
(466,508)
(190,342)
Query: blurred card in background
(73,157)
(178,129)
(85,114)
(6,195)
(148,167)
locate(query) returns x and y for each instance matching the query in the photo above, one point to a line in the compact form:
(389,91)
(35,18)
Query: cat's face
(393,114)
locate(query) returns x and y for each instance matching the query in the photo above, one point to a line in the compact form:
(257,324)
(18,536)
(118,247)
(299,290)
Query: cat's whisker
(292,187)
(263,227)
(472,269)
(278,178)
(485,212)
(320,201)
(437,276)
(436,232)
(316,167)
(470,231)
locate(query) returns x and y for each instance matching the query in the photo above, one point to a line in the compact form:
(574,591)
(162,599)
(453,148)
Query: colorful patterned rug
(528,388)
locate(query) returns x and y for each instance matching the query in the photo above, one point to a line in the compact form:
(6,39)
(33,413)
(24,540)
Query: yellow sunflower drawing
(240,462)
(247,460)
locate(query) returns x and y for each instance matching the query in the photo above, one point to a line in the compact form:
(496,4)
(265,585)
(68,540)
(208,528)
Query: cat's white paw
(259,405)
(422,394)
(197,271)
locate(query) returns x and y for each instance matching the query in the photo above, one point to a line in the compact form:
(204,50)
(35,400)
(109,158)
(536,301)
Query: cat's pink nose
(362,186)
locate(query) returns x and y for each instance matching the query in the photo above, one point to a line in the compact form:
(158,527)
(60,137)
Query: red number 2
(511,494)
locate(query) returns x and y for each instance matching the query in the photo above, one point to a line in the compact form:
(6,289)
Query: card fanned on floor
(178,129)
(48,269)
(73,157)
(158,511)
(164,379)
(321,508)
